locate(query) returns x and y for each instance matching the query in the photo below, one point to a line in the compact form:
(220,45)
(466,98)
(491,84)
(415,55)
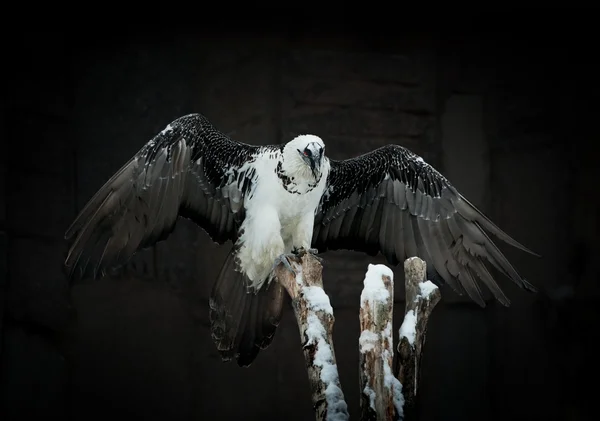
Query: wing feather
(433,242)
(410,244)
(188,170)
(391,201)
(399,243)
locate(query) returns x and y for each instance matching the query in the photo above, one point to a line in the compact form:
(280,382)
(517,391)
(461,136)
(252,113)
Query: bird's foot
(302,251)
(285,260)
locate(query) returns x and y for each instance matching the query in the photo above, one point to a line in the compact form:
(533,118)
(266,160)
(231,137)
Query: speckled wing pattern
(391,201)
(190,169)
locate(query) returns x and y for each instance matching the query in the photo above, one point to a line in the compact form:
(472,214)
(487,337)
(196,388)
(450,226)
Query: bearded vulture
(273,200)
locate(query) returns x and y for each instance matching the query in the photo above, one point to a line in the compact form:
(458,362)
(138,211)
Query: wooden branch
(421,297)
(381,392)
(384,396)
(314,315)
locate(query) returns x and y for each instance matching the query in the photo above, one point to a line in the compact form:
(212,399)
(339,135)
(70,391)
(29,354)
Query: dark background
(504,104)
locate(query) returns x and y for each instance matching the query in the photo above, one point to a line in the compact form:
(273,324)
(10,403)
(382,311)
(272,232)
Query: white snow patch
(387,332)
(299,277)
(409,326)
(314,329)
(374,289)
(367,341)
(389,380)
(393,384)
(426,288)
(337,409)
(317,299)
(371,394)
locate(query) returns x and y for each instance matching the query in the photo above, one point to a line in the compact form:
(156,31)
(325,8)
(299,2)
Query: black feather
(242,321)
(402,207)
(187,170)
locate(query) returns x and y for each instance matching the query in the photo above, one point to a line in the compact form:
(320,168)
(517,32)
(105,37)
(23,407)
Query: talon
(284,258)
(314,253)
(300,252)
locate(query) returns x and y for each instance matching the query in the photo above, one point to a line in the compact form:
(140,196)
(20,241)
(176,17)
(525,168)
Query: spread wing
(189,169)
(391,201)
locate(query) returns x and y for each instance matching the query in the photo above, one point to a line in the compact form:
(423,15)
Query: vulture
(276,200)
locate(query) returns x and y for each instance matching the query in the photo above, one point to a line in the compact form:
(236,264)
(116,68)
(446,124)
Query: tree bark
(314,315)
(381,392)
(384,396)
(421,298)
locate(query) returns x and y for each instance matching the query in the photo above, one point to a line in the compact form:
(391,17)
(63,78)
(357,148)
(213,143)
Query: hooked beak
(313,161)
(315,165)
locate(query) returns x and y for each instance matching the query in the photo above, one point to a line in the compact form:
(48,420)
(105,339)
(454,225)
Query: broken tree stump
(381,392)
(421,298)
(314,315)
(386,394)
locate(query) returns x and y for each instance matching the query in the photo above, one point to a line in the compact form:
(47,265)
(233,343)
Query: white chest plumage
(279,215)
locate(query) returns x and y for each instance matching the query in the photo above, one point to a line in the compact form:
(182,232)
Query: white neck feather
(294,165)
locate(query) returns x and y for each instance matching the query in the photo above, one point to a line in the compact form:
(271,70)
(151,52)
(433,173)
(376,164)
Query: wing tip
(527,286)
(71,230)
(473,212)
(511,241)
(524,248)
(480,302)
(77,271)
(504,300)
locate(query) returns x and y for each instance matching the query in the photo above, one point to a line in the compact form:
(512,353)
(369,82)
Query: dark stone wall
(37,201)
(510,126)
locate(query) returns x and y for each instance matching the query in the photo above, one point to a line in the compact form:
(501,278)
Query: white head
(304,154)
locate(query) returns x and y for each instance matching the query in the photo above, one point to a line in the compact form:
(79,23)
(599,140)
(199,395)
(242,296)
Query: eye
(307,152)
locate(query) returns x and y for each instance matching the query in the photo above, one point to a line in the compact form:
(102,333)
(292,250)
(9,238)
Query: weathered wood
(314,315)
(381,392)
(384,396)
(421,297)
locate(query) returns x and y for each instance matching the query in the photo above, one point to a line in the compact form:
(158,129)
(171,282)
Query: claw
(284,258)
(302,251)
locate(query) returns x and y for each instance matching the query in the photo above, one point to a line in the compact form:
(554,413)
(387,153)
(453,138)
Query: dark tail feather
(242,322)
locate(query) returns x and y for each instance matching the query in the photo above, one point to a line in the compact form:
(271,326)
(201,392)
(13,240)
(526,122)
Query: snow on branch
(314,315)
(381,392)
(421,298)
(385,394)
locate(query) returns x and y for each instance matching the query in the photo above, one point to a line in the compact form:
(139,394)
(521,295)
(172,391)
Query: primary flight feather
(272,200)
